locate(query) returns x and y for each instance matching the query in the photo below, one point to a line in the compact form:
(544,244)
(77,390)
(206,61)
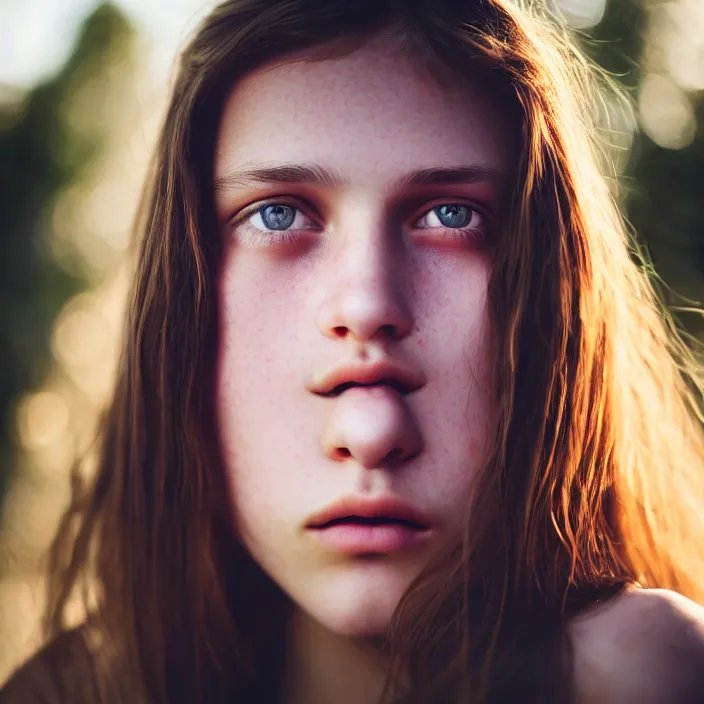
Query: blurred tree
(667,209)
(665,187)
(44,149)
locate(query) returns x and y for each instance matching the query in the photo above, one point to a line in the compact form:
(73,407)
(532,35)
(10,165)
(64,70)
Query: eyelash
(256,237)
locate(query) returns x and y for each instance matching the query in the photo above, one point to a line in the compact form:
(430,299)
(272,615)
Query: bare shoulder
(644,646)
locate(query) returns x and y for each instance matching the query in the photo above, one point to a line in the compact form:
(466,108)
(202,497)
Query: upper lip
(400,376)
(389,506)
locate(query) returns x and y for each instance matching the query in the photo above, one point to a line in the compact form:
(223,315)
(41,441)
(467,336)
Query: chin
(360,604)
(356,623)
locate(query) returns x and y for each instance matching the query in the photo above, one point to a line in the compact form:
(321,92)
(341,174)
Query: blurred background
(83,87)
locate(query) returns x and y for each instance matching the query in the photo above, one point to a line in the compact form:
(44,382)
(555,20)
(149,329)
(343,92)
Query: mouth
(395,384)
(359,526)
(371,521)
(402,378)
(355,536)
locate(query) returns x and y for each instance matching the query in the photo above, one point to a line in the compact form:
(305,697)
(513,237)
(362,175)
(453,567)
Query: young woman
(398,416)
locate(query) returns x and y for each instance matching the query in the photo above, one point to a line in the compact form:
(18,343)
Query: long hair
(594,480)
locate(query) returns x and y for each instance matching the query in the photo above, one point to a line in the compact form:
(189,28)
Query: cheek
(260,324)
(458,418)
(258,366)
(459,411)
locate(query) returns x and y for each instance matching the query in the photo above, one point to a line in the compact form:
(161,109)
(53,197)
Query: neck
(323,667)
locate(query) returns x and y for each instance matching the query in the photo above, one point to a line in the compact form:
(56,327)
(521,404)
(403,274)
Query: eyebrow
(315,174)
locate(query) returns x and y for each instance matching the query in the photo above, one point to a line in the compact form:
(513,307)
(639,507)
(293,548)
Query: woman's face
(359,201)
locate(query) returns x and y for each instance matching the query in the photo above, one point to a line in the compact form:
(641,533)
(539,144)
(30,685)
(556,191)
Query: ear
(644,646)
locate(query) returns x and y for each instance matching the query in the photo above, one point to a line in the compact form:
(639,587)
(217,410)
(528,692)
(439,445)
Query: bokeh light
(666,113)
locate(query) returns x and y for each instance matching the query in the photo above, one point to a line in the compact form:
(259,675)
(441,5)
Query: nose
(373,428)
(367,297)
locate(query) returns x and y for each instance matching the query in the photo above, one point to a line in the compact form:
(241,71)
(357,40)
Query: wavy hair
(595,476)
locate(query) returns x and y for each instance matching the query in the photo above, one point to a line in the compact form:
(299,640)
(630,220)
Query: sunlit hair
(594,481)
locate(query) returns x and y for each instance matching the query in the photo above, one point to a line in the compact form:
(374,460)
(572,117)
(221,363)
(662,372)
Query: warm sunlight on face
(360,201)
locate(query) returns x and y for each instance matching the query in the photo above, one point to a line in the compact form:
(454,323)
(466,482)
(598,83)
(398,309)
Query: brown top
(60,673)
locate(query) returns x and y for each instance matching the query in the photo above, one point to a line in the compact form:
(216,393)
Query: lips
(381,510)
(363,527)
(356,539)
(373,521)
(396,385)
(401,377)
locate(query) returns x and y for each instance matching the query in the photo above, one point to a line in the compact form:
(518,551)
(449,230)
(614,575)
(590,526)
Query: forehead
(370,114)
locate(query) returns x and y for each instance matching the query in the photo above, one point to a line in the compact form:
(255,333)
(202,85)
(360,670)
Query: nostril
(389,331)
(340,331)
(395,456)
(342,453)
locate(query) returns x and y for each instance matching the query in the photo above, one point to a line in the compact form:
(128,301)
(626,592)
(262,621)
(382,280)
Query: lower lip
(360,539)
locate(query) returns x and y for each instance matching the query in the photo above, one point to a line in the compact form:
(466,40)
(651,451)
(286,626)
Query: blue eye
(454,215)
(277,216)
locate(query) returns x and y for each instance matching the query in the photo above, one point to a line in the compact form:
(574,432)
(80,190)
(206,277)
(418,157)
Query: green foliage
(665,203)
(42,152)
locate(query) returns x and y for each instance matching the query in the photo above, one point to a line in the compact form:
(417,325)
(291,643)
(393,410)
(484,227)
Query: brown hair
(593,481)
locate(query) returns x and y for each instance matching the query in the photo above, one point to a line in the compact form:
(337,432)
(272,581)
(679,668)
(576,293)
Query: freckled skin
(292,311)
